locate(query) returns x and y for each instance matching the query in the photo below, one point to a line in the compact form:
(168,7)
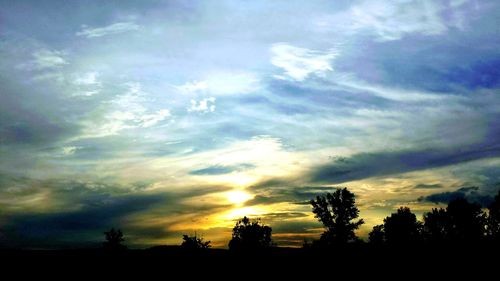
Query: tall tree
(338,213)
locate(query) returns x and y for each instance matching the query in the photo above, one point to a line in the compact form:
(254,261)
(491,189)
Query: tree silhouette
(437,225)
(114,239)
(377,235)
(494,218)
(337,211)
(467,221)
(194,243)
(250,235)
(402,227)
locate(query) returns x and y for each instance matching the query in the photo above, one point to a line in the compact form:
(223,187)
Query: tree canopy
(250,235)
(338,213)
(114,239)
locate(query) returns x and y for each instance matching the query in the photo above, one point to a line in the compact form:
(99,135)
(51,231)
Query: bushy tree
(402,227)
(338,213)
(194,243)
(114,239)
(377,235)
(250,235)
(467,222)
(437,225)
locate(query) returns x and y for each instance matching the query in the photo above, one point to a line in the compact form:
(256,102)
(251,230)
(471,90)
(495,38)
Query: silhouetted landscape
(462,234)
(249,139)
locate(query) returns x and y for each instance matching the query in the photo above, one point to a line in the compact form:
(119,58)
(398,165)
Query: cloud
(366,165)
(148,120)
(222,83)
(472,194)
(428,186)
(193,87)
(77,227)
(74,213)
(115,28)
(128,111)
(45,64)
(48,59)
(69,150)
(390,93)
(89,78)
(392,20)
(88,84)
(274,191)
(299,63)
(204,105)
(220,170)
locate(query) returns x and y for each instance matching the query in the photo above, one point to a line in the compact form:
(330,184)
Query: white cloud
(204,105)
(152,119)
(89,78)
(128,111)
(115,28)
(69,150)
(45,65)
(193,87)
(223,83)
(88,84)
(391,20)
(48,59)
(227,83)
(395,94)
(299,63)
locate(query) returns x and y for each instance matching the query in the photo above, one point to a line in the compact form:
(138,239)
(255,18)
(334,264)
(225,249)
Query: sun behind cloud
(238,197)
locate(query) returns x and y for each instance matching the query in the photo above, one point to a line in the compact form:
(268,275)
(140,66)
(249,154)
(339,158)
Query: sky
(165,118)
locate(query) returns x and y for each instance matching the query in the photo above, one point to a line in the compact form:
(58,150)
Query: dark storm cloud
(365,165)
(472,194)
(428,186)
(75,227)
(99,206)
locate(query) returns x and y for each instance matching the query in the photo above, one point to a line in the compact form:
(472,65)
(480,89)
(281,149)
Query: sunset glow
(165,118)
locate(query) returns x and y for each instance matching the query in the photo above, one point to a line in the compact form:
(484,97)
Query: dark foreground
(165,262)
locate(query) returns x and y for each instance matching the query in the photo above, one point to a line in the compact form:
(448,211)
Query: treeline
(460,223)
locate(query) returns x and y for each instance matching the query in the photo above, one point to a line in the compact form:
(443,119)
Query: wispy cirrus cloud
(127,111)
(115,28)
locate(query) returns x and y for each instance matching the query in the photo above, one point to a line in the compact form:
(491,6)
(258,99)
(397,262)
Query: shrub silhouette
(250,235)
(402,227)
(337,211)
(194,243)
(114,239)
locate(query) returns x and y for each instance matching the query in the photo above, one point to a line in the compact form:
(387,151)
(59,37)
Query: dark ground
(167,262)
